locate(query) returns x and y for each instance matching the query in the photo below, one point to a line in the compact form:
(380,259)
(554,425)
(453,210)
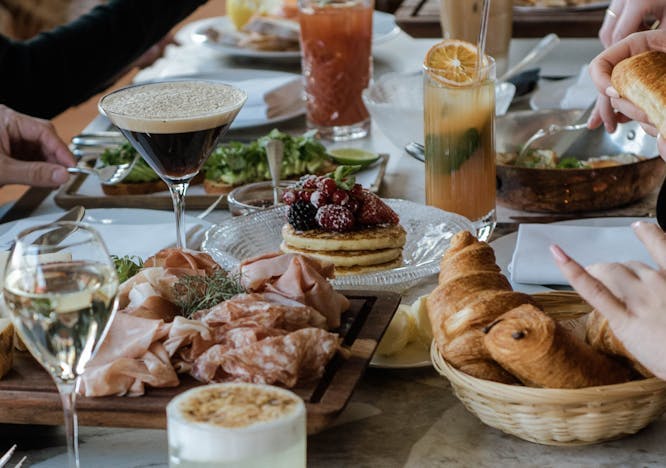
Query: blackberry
(301,216)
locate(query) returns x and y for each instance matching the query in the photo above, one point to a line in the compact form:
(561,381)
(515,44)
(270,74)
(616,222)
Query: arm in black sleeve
(58,69)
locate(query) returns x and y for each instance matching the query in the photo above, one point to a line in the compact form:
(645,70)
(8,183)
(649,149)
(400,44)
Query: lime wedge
(353,156)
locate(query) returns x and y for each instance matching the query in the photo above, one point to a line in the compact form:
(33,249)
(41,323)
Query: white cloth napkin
(582,93)
(532,262)
(142,240)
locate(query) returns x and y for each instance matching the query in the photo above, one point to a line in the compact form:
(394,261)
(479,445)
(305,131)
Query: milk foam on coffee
(173,106)
(236,423)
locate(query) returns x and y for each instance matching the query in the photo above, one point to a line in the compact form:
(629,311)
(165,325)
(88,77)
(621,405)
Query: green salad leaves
(123,154)
(240,163)
(126,266)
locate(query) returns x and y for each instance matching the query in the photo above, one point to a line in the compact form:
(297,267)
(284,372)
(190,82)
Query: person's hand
(624,17)
(31,152)
(632,296)
(610,109)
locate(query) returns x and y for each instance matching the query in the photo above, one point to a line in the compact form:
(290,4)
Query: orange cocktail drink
(459,115)
(336,43)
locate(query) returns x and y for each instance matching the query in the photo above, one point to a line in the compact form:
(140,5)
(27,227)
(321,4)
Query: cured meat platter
(29,396)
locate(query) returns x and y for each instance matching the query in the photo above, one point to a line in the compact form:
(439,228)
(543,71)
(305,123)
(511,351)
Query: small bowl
(257,196)
(395,103)
(575,190)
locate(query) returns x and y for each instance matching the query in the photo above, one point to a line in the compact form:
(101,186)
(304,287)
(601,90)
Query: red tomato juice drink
(336,43)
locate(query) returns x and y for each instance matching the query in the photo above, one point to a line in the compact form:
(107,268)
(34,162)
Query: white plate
(549,94)
(504,246)
(590,6)
(414,355)
(384,28)
(236,76)
(429,231)
(119,216)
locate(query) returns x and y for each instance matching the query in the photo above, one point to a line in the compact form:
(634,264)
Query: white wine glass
(60,290)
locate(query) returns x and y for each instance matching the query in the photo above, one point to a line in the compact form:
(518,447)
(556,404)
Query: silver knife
(56,236)
(570,137)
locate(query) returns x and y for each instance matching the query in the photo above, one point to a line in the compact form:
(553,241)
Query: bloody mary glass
(336,43)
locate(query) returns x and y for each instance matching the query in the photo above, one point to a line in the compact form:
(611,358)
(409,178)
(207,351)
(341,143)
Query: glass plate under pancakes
(429,231)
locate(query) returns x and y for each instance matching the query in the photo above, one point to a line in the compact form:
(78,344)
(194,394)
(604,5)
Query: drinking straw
(483,33)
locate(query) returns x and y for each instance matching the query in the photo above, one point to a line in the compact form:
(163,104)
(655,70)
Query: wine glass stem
(178,197)
(68,396)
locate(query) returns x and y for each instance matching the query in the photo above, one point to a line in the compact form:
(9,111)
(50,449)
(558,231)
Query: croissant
(541,353)
(471,294)
(600,336)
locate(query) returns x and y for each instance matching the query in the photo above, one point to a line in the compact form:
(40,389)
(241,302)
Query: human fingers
(621,280)
(629,21)
(43,135)
(34,173)
(607,113)
(595,117)
(654,240)
(630,110)
(589,287)
(610,21)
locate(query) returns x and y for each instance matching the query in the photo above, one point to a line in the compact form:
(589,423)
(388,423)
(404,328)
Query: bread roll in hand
(641,80)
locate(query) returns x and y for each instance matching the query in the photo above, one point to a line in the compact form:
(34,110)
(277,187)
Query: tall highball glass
(174,125)
(336,43)
(61,297)
(459,122)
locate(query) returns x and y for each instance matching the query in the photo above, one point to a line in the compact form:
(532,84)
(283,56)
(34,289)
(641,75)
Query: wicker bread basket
(558,416)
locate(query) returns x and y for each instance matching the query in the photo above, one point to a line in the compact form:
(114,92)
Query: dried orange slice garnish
(453,60)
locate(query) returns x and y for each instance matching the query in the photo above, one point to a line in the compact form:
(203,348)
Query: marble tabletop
(407,417)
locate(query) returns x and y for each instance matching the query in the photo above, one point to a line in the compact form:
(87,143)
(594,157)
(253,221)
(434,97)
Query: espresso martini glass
(174,125)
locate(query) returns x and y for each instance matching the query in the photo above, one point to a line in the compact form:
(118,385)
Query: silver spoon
(109,175)
(275,153)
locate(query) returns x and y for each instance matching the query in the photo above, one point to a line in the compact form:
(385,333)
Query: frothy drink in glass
(174,125)
(336,43)
(237,425)
(459,121)
(461,19)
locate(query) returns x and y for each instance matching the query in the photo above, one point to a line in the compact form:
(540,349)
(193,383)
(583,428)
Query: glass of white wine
(60,289)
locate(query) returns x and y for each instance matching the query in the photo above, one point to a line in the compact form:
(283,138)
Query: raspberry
(305,195)
(309,181)
(374,211)
(339,197)
(357,191)
(352,204)
(335,218)
(289,197)
(318,199)
(301,216)
(327,185)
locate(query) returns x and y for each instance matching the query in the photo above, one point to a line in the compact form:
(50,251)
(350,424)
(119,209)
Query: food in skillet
(547,159)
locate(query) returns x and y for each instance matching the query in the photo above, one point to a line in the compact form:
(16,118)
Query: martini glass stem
(178,196)
(67,392)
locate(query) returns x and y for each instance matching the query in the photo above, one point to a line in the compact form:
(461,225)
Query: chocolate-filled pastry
(600,336)
(541,353)
(472,293)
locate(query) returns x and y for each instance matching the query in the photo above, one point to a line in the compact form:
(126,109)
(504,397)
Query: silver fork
(7,456)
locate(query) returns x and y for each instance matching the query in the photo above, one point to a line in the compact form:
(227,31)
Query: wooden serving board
(29,396)
(85,191)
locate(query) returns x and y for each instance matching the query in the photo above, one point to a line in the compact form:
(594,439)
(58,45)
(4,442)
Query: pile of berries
(321,202)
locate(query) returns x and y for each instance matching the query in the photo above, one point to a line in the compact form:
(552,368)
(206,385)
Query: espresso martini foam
(174,106)
(236,424)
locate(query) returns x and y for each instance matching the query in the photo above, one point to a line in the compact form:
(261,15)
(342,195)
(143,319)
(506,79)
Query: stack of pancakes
(364,251)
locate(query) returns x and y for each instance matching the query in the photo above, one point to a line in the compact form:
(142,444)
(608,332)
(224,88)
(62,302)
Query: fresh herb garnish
(197,292)
(569,163)
(126,266)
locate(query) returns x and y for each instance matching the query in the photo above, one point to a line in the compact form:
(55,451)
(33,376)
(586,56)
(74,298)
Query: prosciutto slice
(254,310)
(298,356)
(128,359)
(296,277)
(183,258)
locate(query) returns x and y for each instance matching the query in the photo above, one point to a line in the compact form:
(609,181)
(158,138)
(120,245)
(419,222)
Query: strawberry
(335,218)
(374,211)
